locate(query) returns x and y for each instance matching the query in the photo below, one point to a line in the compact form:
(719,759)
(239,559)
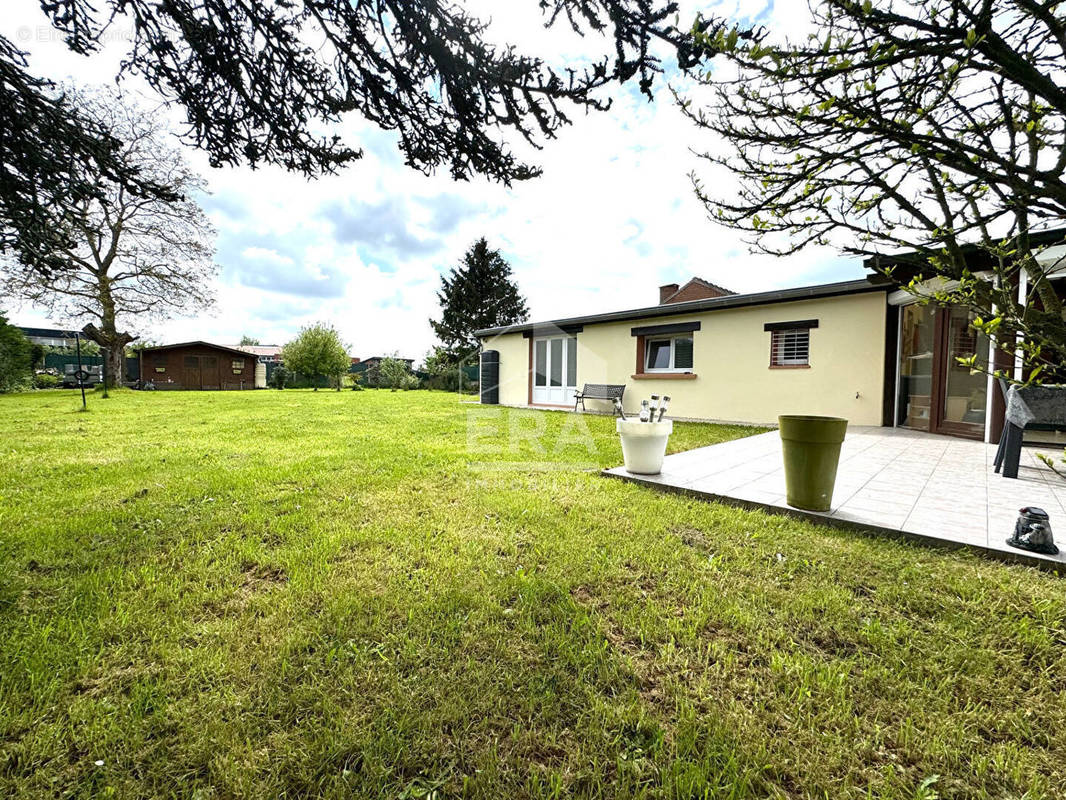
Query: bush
(317,352)
(16,358)
(409,382)
(447,380)
(279,377)
(45,381)
(395,374)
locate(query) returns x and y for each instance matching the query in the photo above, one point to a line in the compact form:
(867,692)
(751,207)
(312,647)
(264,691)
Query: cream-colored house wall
(731,357)
(514,367)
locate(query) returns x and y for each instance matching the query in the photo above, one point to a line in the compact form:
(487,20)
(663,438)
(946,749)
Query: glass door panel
(965,392)
(554,370)
(917,343)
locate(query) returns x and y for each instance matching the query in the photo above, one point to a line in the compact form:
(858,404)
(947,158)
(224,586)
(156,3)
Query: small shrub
(394,374)
(279,377)
(45,381)
(410,382)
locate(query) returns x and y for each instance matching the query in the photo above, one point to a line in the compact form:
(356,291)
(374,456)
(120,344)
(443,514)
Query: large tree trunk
(114,344)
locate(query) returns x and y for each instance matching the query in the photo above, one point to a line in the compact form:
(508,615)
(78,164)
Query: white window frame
(650,340)
(790,362)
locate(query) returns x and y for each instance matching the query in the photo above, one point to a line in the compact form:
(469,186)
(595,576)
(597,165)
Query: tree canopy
(317,351)
(478,293)
(260,82)
(936,126)
(16,357)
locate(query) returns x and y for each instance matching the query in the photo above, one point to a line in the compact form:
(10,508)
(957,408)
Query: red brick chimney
(667,291)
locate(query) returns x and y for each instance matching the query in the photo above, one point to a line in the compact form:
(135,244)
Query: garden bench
(600,391)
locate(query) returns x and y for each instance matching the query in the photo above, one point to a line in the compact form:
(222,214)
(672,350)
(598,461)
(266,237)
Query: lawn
(398,595)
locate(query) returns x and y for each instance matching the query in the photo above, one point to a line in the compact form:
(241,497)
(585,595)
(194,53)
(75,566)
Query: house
(374,361)
(200,365)
(695,289)
(50,337)
(860,349)
(265,353)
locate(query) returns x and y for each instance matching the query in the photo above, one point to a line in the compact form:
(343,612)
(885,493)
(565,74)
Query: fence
(470,376)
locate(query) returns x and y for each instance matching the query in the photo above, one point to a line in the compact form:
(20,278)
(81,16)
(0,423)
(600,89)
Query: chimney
(667,291)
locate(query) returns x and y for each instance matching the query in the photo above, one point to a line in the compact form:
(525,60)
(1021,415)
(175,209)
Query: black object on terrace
(599,391)
(1032,532)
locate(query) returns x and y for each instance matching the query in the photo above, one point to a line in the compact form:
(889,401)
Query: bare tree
(936,126)
(129,258)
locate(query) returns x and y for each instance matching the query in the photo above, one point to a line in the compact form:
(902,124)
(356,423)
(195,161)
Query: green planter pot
(811,447)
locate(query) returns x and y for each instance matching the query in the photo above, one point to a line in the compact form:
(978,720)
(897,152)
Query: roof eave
(699,306)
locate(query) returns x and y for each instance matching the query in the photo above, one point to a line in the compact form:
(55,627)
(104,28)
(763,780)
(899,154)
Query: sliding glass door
(936,393)
(554,370)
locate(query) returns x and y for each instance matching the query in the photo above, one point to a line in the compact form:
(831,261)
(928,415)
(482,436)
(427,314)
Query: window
(790,347)
(238,363)
(673,354)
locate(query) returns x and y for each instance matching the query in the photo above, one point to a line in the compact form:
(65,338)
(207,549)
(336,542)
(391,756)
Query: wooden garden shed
(198,365)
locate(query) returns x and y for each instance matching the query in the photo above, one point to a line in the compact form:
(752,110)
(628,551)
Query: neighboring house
(200,365)
(695,289)
(857,349)
(50,337)
(373,361)
(265,353)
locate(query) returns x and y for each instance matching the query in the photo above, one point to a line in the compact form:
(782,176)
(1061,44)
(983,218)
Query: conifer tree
(478,293)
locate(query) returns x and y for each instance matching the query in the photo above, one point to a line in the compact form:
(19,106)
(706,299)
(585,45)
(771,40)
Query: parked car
(70,379)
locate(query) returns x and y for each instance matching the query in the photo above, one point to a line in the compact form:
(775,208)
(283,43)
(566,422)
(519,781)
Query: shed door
(209,373)
(192,379)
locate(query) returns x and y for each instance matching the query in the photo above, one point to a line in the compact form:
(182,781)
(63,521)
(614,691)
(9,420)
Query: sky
(612,217)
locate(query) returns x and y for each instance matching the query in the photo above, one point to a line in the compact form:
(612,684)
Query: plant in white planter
(644,440)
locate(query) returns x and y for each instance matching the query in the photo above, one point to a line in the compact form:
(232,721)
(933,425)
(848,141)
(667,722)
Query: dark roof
(49,333)
(910,261)
(711,304)
(197,343)
(382,358)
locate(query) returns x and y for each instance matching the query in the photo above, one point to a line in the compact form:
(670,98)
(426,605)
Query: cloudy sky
(612,217)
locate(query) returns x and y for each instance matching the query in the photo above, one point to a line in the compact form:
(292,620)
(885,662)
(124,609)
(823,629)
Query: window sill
(790,366)
(664,376)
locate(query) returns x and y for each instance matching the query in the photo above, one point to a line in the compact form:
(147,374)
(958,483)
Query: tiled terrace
(892,480)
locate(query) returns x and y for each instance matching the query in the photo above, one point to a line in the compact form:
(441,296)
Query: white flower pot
(644,444)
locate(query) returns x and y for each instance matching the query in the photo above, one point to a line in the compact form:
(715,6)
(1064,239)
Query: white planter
(644,444)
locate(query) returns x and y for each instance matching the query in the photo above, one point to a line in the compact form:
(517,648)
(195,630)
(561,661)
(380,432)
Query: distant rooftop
(258,349)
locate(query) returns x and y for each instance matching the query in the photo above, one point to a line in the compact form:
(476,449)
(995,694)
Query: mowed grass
(398,595)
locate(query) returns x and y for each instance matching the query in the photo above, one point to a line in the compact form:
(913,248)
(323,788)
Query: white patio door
(554,370)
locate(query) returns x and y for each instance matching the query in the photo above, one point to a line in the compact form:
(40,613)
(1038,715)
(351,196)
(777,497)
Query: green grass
(372,594)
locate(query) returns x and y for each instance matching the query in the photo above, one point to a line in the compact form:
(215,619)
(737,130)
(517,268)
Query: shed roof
(197,343)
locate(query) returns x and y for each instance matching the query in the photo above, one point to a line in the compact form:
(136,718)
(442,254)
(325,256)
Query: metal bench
(600,391)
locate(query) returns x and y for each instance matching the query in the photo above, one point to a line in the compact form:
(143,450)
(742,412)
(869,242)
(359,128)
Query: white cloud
(612,217)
